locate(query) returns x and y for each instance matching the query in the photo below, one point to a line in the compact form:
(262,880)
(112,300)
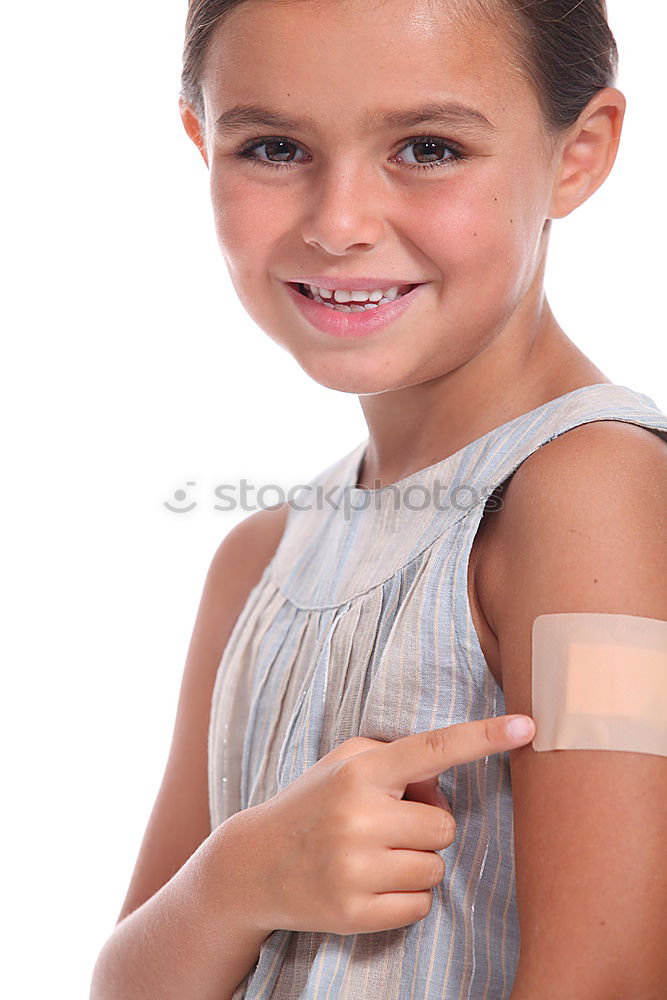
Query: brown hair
(565,50)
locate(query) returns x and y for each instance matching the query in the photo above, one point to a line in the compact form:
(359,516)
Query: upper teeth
(343,295)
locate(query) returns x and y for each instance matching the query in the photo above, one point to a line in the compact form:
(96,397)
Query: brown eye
(276,150)
(279,149)
(430,151)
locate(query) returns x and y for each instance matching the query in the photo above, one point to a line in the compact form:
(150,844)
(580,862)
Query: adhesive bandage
(599,682)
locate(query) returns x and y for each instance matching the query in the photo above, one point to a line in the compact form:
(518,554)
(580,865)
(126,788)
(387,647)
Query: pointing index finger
(420,756)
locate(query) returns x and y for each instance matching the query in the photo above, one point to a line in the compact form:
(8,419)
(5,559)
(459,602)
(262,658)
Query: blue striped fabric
(361,626)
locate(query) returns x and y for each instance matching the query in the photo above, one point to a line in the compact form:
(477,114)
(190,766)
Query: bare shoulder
(180,819)
(246,550)
(610,470)
(610,447)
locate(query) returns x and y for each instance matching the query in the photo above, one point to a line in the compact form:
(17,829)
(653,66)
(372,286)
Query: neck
(530,362)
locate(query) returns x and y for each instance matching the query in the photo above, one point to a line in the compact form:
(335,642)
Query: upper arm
(180,819)
(584,530)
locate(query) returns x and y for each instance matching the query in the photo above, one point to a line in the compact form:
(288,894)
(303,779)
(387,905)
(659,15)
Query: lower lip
(352,324)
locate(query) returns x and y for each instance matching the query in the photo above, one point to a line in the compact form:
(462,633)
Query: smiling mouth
(353,301)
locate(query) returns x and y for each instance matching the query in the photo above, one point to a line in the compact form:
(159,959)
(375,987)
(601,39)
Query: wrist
(235,873)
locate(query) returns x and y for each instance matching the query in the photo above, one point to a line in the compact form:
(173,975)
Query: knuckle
(350,767)
(356,743)
(449,831)
(438,741)
(438,869)
(346,773)
(446,830)
(352,824)
(350,913)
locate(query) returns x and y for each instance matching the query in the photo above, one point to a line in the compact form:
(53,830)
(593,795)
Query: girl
(384,176)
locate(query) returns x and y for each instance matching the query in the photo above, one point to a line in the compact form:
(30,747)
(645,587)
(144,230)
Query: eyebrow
(450,114)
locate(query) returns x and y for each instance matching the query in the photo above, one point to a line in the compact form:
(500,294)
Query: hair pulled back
(564,49)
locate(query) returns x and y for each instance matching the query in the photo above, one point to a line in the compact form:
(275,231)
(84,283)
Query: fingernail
(520,727)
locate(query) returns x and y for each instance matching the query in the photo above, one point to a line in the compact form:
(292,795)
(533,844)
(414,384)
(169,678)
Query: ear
(588,152)
(193,127)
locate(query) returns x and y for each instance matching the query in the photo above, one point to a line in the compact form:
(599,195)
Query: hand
(339,851)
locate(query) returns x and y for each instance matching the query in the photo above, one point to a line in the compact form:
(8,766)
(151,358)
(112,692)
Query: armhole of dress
(494,496)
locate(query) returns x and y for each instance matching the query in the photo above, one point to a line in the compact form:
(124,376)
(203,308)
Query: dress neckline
(342,541)
(359,453)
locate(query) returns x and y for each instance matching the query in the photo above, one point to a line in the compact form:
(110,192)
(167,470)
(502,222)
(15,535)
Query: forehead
(356,55)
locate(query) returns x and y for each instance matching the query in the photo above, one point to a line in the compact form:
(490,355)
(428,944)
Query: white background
(130,368)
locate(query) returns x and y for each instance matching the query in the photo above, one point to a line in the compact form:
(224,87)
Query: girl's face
(338,191)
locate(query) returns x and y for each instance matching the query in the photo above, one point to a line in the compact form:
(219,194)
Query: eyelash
(246,152)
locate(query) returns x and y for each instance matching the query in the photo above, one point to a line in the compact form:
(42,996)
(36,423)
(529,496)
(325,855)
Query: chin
(352,376)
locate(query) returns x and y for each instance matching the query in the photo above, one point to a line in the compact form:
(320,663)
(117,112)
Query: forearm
(193,938)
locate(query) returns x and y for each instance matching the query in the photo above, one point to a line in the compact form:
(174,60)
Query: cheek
(249,219)
(481,234)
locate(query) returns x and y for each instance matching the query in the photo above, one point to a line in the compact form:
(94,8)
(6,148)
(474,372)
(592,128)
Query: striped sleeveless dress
(361,626)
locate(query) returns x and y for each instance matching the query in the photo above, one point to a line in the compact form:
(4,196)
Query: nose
(344,212)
